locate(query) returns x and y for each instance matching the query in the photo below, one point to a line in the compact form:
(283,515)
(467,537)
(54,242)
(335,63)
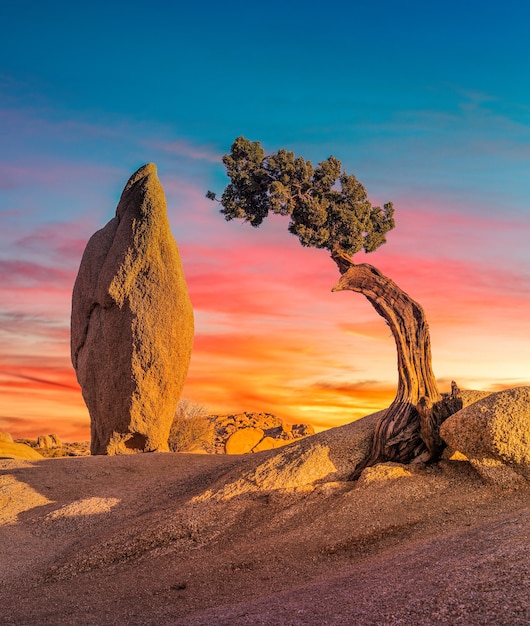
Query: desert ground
(266,538)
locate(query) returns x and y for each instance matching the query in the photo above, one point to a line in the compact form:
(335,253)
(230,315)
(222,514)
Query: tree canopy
(328,208)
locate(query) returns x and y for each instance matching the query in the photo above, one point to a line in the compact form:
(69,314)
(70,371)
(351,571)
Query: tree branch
(343,261)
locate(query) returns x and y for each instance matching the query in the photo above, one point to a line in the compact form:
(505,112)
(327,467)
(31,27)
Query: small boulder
(243,440)
(289,469)
(6,437)
(494,435)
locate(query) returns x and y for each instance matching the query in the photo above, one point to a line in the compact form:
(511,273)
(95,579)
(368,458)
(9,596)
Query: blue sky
(427,103)
(413,94)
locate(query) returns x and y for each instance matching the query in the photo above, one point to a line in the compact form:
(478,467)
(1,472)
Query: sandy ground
(140,539)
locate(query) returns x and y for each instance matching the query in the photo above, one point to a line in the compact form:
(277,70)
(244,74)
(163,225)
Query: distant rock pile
(132,323)
(67,448)
(241,433)
(51,442)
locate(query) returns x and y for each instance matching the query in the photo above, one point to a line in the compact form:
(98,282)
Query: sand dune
(198,539)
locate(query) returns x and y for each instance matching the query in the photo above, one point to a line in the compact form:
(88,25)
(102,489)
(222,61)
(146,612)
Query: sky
(428,104)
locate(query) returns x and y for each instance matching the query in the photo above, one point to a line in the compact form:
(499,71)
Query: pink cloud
(252,280)
(183,148)
(31,122)
(59,241)
(47,172)
(53,328)
(282,278)
(20,380)
(434,230)
(21,274)
(39,394)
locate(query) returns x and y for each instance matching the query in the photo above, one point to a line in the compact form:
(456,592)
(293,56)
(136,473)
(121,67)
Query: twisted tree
(330,209)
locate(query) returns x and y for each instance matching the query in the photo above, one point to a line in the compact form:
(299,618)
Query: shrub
(191,427)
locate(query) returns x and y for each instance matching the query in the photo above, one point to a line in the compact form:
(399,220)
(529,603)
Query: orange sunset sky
(421,118)
(270,335)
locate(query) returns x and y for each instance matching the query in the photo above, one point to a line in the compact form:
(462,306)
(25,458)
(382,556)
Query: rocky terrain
(240,433)
(67,448)
(255,432)
(275,537)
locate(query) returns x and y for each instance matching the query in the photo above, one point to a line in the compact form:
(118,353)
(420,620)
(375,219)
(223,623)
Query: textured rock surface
(494,434)
(419,545)
(326,457)
(132,323)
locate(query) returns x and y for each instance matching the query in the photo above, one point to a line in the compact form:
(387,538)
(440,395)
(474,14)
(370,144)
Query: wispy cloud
(21,274)
(53,172)
(40,382)
(62,242)
(189,150)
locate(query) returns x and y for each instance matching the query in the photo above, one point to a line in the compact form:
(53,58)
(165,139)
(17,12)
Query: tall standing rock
(132,323)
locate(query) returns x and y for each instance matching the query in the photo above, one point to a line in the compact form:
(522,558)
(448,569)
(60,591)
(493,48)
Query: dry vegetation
(190,428)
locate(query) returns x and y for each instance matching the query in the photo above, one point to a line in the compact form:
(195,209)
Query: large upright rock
(132,323)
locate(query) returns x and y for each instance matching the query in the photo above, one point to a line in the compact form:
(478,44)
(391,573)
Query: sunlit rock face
(494,435)
(13,450)
(243,440)
(132,323)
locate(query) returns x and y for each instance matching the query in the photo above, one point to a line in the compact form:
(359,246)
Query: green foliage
(328,208)
(191,427)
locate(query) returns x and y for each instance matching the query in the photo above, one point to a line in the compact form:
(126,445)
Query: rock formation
(49,441)
(132,323)
(273,430)
(67,448)
(494,435)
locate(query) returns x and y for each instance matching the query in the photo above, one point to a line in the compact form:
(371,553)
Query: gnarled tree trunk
(403,434)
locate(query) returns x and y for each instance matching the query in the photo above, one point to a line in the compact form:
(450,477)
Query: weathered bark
(399,436)
(433,415)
